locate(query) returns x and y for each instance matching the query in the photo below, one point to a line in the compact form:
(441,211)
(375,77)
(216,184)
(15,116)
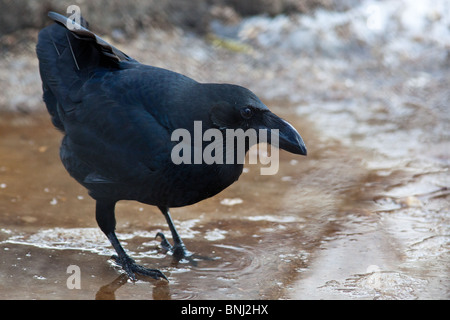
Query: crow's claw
(178,250)
(131,267)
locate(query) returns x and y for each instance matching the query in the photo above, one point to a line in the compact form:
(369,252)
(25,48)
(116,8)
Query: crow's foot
(131,268)
(178,250)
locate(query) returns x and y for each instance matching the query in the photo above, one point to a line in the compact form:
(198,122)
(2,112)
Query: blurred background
(365,215)
(178,34)
(286,39)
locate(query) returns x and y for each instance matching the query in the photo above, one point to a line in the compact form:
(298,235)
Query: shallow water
(314,230)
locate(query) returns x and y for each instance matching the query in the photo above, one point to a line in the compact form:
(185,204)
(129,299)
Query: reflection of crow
(117,116)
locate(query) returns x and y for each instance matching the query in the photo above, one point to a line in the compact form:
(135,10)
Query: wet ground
(364,216)
(325,226)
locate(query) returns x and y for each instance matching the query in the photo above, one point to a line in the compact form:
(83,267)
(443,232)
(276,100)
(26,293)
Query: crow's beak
(288,138)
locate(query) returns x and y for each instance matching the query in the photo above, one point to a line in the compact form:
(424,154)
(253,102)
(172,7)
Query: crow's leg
(107,223)
(178,249)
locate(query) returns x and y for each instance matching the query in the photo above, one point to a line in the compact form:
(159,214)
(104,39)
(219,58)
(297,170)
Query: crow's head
(236,107)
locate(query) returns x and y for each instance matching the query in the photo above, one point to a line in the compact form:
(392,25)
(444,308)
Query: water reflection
(160,289)
(108,291)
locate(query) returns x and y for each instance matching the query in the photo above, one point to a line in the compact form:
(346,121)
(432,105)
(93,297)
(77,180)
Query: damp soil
(325,226)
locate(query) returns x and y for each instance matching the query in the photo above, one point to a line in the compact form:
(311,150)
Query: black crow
(118,115)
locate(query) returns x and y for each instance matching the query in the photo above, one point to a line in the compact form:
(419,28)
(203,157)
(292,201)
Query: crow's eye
(246,113)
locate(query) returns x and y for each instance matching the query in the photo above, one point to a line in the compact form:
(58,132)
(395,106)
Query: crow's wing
(111,130)
(67,58)
(95,94)
(82,33)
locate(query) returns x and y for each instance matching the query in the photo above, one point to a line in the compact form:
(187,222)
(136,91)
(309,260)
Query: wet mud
(325,226)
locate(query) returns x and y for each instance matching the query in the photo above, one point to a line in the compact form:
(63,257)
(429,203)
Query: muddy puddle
(364,216)
(325,226)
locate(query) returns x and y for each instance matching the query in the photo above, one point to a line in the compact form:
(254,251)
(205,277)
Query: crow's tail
(68,54)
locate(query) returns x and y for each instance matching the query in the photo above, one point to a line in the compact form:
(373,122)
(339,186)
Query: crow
(117,117)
